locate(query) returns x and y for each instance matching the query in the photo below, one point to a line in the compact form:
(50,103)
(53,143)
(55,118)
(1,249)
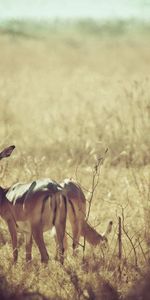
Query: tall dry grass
(65,97)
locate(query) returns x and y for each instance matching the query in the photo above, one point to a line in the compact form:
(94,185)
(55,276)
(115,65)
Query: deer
(28,207)
(76,210)
(34,208)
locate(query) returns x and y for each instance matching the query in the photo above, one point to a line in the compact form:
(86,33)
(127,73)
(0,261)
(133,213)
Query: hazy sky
(75,8)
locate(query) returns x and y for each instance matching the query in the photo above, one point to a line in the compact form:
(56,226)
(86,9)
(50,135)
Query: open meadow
(67,93)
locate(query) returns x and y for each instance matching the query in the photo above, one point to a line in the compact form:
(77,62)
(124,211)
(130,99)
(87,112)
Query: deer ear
(7,152)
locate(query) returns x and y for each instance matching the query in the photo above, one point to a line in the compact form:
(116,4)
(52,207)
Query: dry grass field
(66,95)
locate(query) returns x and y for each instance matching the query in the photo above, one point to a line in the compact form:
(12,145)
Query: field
(67,93)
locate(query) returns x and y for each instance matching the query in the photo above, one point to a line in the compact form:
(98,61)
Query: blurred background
(74,81)
(99,9)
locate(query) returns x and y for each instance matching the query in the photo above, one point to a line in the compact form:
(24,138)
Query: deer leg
(59,238)
(76,236)
(28,246)
(65,243)
(13,232)
(60,225)
(37,232)
(76,230)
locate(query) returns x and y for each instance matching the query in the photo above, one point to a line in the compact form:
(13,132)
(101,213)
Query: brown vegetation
(64,99)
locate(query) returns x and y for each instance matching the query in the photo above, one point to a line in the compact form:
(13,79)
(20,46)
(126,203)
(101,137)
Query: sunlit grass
(64,99)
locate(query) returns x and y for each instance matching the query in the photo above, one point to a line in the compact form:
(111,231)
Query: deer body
(41,205)
(33,211)
(76,207)
(34,207)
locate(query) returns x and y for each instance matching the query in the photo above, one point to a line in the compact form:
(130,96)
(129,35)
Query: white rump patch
(19,189)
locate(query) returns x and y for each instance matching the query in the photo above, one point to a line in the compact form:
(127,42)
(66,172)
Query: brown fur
(90,234)
(76,206)
(39,211)
(36,217)
(35,214)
